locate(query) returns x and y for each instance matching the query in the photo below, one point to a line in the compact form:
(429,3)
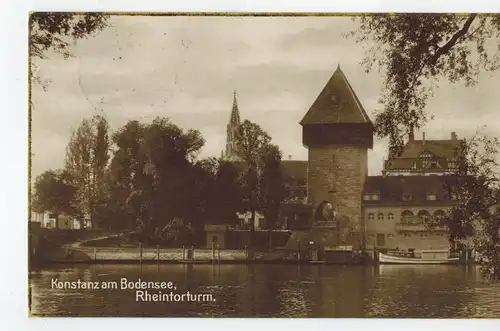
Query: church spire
(235,113)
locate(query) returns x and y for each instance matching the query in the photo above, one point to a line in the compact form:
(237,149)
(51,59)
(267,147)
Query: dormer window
(371,196)
(407,197)
(431,196)
(435,164)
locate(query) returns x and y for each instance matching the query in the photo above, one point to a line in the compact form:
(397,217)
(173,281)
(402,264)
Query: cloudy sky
(186,68)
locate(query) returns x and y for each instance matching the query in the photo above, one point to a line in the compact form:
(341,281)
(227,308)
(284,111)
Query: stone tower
(232,126)
(338,133)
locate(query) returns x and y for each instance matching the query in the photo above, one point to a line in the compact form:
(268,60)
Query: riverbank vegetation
(148,177)
(414,52)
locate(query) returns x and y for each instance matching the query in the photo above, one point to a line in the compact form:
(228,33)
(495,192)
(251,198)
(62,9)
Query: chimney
(423,138)
(289,157)
(453,136)
(411,136)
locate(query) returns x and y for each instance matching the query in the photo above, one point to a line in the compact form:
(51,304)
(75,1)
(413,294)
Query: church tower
(232,127)
(338,133)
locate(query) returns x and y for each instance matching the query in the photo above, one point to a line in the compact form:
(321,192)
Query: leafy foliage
(415,50)
(57,31)
(54,193)
(262,185)
(474,219)
(87,156)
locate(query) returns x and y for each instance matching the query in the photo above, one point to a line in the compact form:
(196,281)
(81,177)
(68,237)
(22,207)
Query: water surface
(273,291)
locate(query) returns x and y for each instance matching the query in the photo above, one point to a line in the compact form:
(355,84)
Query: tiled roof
(337,103)
(439,148)
(295,169)
(392,188)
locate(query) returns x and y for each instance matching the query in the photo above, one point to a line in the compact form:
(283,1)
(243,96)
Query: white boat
(427,257)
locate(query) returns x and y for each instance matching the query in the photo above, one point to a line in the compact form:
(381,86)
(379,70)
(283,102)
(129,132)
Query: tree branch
(453,40)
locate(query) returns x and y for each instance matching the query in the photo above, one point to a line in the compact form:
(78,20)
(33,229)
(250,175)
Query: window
(407,197)
(435,164)
(371,196)
(439,216)
(423,217)
(453,163)
(371,217)
(407,217)
(390,236)
(390,216)
(380,217)
(426,164)
(431,196)
(380,239)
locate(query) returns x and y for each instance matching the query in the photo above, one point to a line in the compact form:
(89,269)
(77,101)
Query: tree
(261,178)
(474,220)
(87,156)
(169,152)
(415,51)
(272,184)
(57,32)
(225,197)
(127,178)
(251,141)
(54,193)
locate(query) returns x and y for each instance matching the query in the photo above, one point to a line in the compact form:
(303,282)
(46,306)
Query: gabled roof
(439,148)
(337,103)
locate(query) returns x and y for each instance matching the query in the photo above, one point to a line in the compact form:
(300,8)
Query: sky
(186,69)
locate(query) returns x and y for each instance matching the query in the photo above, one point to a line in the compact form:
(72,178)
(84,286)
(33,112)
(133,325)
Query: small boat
(426,257)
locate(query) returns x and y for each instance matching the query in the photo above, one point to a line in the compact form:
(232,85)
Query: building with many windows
(401,209)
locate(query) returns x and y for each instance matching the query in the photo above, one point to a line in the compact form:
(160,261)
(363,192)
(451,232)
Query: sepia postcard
(264,165)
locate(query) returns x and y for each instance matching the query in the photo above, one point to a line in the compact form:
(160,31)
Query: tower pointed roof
(337,103)
(235,113)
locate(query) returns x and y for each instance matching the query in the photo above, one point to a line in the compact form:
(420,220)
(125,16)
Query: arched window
(390,216)
(371,216)
(407,217)
(380,217)
(439,216)
(423,217)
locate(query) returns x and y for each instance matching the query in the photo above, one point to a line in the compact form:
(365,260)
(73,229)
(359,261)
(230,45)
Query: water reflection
(274,290)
